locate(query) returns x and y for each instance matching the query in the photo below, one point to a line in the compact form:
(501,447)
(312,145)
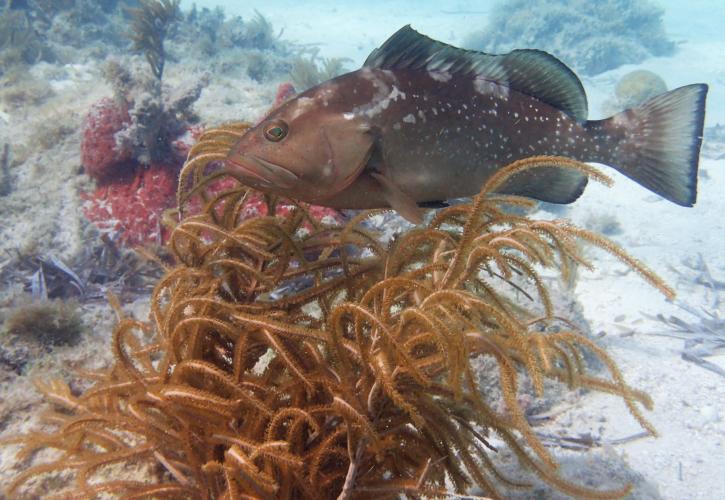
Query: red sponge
(131,212)
(101,157)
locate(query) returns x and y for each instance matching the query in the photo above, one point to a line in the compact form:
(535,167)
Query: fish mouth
(267,173)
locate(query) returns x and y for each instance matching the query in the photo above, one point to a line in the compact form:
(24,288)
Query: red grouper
(423,122)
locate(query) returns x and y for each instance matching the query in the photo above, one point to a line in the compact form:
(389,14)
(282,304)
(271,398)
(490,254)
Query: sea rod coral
(359,385)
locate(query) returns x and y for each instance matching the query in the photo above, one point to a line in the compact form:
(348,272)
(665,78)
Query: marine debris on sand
(102,267)
(704,337)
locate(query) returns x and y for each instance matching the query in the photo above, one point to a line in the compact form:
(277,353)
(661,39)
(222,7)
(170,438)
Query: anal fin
(547,183)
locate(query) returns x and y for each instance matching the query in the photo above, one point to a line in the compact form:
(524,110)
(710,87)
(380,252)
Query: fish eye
(276,131)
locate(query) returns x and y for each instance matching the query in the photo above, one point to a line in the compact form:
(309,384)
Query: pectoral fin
(434,204)
(402,203)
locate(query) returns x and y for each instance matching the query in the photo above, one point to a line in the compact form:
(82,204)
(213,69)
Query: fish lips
(267,173)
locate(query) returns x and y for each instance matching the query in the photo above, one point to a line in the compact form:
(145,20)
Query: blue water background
(353,29)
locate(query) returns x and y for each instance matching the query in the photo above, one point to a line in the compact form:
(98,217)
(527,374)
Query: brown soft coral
(357,384)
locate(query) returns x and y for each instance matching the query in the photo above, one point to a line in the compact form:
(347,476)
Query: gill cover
(302,151)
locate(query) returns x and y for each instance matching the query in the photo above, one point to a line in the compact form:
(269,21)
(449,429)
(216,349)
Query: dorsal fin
(531,72)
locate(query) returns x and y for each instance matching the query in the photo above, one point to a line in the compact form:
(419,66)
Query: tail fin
(660,147)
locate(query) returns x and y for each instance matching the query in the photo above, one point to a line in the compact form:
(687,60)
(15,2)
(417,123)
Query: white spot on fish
(303,105)
(396,126)
(395,94)
(326,92)
(490,88)
(439,65)
(348,116)
(409,118)
(327,170)
(381,100)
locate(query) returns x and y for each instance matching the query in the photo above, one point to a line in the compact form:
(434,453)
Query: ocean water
(366,25)
(94,133)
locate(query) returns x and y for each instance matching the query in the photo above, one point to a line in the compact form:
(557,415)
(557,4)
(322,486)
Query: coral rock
(593,37)
(101,156)
(132,212)
(637,86)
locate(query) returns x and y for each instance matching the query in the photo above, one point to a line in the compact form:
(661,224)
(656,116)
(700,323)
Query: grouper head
(310,148)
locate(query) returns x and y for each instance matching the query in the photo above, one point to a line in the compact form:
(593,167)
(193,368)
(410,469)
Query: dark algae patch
(50,322)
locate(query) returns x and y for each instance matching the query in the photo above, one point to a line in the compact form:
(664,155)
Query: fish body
(438,138)
(423,122)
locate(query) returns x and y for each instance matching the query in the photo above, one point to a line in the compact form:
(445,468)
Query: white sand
(688,458)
